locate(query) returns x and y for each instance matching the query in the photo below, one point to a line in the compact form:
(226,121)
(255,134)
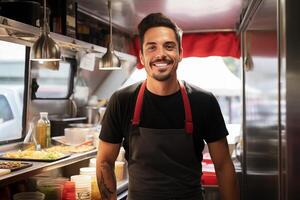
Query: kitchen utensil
(92,114)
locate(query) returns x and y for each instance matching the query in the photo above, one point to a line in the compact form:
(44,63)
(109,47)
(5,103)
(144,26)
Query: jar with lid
(82,186)
(91,171)
(43,130)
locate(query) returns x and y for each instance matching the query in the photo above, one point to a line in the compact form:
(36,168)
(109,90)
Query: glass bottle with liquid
(43,130)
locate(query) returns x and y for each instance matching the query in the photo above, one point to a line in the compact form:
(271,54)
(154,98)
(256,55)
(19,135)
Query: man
(162,124)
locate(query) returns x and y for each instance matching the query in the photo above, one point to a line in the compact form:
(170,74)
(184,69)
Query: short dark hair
(155,20)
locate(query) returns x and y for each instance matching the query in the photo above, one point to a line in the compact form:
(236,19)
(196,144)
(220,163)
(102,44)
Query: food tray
(14,165)
(2,156)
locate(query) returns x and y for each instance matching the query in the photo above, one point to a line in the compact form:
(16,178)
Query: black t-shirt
(163,112)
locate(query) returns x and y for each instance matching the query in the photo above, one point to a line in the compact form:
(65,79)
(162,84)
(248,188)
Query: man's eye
(150,48)
(170,46)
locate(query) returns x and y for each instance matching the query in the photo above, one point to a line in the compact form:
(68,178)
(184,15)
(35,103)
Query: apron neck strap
(187,109)
(186,104)
(138,105)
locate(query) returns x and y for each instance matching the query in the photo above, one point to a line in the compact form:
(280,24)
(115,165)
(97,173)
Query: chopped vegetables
(31,154)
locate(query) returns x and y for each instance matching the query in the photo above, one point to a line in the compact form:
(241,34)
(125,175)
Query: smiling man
(162,124)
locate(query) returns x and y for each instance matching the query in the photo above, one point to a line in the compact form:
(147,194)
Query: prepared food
(70,149)
(34,155)
(10,164)
(14,165)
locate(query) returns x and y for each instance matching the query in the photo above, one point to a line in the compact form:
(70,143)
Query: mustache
(164,59)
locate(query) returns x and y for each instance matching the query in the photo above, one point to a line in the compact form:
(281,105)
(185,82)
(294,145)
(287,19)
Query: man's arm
(227,181)
(106,157)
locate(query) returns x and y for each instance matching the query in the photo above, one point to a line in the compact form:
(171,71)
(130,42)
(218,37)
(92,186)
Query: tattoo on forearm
(107,184)
(104,190)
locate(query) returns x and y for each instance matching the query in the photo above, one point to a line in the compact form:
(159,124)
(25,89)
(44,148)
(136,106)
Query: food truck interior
(245,52)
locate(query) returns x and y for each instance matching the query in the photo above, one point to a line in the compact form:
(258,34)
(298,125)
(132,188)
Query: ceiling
(190,15)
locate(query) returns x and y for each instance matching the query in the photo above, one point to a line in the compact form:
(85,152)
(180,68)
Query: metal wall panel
(292,82)
(261,129)
(282,98)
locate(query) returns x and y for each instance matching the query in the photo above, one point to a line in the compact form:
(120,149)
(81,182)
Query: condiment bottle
(119,170)
(43,130)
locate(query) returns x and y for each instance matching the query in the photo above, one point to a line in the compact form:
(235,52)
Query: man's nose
(160,53)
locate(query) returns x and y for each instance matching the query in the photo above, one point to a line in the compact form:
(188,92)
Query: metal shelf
(40,167)
(17,32)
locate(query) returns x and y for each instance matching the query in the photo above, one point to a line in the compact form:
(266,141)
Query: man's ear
(141,57)
(181,54)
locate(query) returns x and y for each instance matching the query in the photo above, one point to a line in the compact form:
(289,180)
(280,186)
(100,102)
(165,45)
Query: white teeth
(160,64)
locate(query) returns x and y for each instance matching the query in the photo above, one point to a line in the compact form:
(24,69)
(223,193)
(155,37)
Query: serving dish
(32,155)
(14,165)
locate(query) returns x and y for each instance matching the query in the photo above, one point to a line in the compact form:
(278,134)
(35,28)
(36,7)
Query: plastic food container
(91,171)
(82,186)
(88,171)
(51,189)
(76,136)
(29,196)
(92,162)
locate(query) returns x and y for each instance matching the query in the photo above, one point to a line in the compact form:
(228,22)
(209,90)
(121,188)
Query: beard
(161,77)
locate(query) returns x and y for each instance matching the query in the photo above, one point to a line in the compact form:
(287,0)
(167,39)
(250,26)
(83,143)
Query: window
(5,110)
(53,84)
(12,80)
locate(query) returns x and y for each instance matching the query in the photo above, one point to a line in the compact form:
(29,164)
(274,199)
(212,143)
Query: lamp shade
(109,60)
(45,49)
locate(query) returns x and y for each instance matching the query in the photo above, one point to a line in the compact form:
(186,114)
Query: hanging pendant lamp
(45,49)
(110,60)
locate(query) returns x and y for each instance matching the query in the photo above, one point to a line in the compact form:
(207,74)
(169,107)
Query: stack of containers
(91,171)
(82,186)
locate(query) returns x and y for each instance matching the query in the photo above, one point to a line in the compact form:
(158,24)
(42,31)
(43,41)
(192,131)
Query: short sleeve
(111,124)
(215,128)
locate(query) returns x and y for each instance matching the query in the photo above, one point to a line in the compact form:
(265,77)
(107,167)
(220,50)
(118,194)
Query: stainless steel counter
(39,167)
